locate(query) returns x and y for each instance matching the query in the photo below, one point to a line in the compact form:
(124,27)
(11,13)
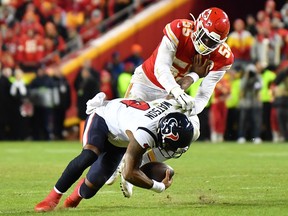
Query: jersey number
(225,51)
(186,30)
(141,105)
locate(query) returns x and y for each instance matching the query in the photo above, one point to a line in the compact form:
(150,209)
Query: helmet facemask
(204,41)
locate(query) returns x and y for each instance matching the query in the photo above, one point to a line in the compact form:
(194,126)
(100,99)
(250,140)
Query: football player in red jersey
(172,67)
(169,69)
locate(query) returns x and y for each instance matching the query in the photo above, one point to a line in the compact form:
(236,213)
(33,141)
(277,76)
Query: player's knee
(87,192)
(84,160)
(87,157)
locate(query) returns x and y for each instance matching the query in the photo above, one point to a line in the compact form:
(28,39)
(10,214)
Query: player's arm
(222,62)
(132,172)
(163,64)
(162,71)
(205,90)
(200,68)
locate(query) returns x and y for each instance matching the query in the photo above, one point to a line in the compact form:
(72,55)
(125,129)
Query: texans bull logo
(167,129)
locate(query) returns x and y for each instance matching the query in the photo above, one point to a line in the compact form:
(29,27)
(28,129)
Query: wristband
(194,76)
(158,186)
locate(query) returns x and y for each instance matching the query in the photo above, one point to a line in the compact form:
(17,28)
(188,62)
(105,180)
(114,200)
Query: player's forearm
(205,90)
(133,158)
(139,179)
(163,65)
(185,82)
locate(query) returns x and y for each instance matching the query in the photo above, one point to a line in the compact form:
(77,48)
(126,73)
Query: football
(156,170)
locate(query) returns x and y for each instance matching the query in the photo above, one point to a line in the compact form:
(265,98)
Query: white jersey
(140,117)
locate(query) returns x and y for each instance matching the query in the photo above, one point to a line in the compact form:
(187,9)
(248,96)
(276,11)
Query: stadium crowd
(250,103)
(36,34)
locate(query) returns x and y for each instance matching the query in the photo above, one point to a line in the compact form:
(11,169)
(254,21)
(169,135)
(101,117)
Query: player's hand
(186,101)
(200,67)
(167,180)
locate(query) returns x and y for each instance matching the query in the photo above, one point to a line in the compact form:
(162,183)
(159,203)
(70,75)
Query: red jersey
(222,91)
(30,49)
(179,32)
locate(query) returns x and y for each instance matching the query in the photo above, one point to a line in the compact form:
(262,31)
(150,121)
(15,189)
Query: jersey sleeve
(205,91)
(145,137)
(173,31)
(163,63)
(172,41)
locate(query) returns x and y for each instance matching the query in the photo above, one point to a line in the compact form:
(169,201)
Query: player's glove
(95,102)
(186,101)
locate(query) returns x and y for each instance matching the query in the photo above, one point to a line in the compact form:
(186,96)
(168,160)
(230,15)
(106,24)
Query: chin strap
(192,17)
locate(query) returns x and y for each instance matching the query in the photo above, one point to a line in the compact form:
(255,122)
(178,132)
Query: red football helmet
(211,30)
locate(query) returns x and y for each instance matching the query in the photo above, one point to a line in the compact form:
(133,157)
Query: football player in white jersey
(110,128)
(188,50)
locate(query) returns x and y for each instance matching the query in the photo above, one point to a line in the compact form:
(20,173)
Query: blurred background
(57,54)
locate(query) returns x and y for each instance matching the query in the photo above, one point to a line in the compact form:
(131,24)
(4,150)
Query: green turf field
(210,179)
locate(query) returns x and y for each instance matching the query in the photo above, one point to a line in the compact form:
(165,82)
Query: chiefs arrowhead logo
(206,14)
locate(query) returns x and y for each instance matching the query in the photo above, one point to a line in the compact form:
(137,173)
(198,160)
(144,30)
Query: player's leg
(242,125)
(95,132)
(97,175)
(117,172)
(70,175)
(115,175)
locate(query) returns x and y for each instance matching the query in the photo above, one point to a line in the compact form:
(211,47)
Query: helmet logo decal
(167,129)
(206,14)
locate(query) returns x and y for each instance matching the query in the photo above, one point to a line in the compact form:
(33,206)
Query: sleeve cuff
(194,76)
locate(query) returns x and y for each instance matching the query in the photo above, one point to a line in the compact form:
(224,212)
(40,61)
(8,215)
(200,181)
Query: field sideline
(210,179)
